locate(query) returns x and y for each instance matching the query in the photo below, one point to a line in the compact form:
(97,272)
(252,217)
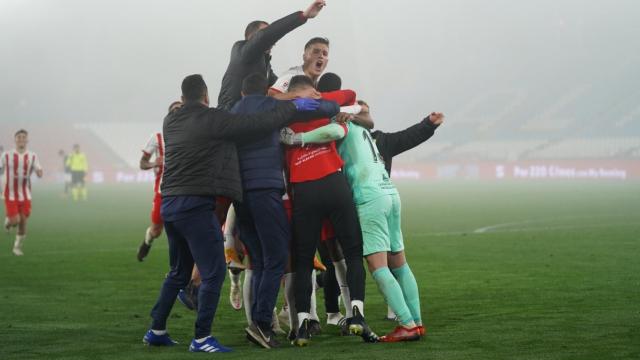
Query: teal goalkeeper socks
(409,287)
(392,293)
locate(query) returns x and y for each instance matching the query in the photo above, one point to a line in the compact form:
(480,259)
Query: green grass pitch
(506,271)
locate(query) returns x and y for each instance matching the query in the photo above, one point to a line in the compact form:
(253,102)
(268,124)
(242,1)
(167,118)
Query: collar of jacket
(194,104)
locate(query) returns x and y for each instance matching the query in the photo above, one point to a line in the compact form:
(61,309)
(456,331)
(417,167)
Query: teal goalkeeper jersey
(363,166)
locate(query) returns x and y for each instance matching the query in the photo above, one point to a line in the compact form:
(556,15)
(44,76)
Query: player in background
(154,148)
(79,167)
(18,165)
(66,172)
(314,61)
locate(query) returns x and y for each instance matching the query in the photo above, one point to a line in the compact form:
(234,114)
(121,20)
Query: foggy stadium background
(545,89)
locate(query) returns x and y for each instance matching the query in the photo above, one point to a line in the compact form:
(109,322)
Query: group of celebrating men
(265,162)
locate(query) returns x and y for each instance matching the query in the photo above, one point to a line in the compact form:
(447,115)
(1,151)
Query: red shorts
(14,208)
(156,217)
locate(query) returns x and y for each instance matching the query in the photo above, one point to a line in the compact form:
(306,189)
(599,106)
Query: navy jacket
(261,158)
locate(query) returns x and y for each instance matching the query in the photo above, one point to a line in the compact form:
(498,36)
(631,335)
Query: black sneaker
(314,328)
(359,327)
(343,324)
(292,335)
(303,337)
(264,338)
(143,251)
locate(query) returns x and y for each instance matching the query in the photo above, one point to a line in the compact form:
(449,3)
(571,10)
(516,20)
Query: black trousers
(313,201)
(331,287)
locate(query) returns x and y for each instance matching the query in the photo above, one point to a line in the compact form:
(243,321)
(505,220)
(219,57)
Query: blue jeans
(265,231)
(194,236)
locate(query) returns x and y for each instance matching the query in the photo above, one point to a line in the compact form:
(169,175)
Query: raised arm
(392,144)
(264,39)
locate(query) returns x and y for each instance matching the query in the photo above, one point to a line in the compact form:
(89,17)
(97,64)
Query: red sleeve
(342,97)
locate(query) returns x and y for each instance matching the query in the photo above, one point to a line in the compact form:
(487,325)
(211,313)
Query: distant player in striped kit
(18,165)
(154,148)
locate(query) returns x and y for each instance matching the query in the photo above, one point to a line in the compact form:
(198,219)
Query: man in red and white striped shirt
(154,148)
(18,165)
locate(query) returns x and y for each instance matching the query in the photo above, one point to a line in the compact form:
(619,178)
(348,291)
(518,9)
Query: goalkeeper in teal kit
(378,204)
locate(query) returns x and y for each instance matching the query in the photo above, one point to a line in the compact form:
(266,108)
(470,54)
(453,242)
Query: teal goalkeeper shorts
(380,222)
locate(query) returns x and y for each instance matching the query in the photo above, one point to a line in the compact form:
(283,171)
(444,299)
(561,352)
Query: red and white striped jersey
(18,168)
(155,148)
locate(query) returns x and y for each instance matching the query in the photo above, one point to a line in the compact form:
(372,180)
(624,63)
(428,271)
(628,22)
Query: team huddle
(290,166)
(284,168)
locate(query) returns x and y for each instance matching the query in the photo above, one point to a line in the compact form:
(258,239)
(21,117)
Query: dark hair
(173,104)
(329,82)
(253,27)
(300,81)
(316,40)
(255,84)
(194,88)
(21,131)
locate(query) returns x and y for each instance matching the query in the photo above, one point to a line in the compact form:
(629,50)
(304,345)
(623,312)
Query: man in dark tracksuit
(253,54)
(261,217)
(200,164)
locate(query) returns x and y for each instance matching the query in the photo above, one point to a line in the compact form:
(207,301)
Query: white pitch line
(539,228)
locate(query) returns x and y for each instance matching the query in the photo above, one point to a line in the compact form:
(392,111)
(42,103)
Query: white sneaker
(17,251)
(235,296)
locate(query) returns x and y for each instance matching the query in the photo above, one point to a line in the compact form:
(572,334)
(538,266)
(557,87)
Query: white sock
(390,313)
(246,294)
(201,340)
(289,294)
(313,304)
(359,304)
(303,316)
(229,225)
(158,332)
(235,278)
(148,238)
(341,276)
(19,240)
(333,318)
